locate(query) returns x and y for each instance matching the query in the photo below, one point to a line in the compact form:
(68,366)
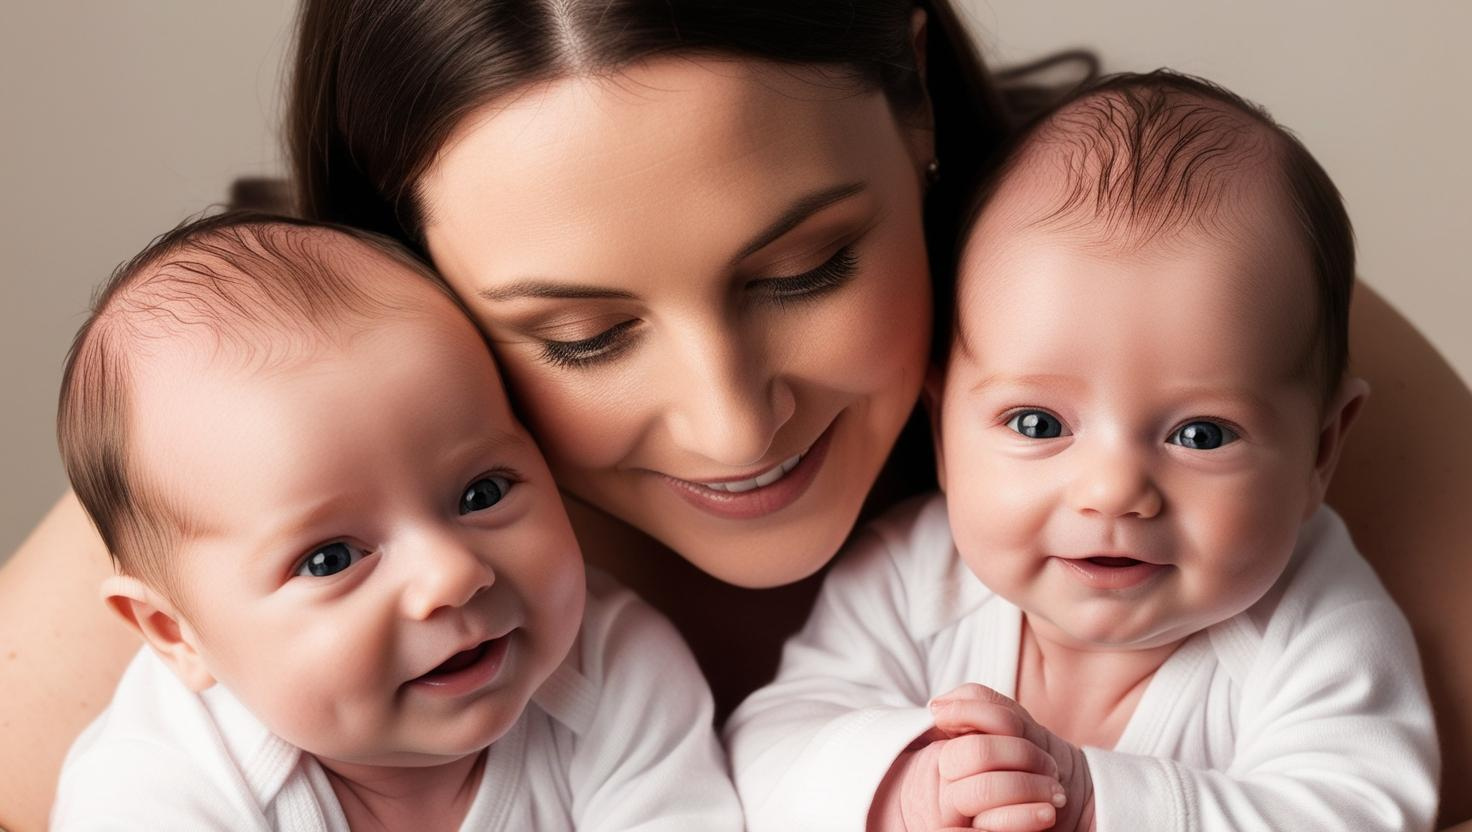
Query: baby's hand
(1004,771)
(985,765)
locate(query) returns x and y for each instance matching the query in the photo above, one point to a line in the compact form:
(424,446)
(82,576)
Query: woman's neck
(1083,694)
(417,798)
(736,634)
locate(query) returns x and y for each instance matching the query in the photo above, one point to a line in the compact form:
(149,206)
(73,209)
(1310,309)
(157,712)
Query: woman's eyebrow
(552,289)
(800,209)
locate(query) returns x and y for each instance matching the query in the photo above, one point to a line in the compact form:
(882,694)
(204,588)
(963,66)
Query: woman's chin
(765,556)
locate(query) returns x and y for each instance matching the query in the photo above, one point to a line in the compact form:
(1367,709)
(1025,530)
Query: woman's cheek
(880,339)
(578,415)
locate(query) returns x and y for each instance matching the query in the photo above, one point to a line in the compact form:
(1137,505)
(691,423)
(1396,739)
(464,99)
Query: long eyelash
(835,271)
(832,273)
(604,345)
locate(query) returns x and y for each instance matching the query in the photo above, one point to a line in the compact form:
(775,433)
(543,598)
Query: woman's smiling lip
(769,491)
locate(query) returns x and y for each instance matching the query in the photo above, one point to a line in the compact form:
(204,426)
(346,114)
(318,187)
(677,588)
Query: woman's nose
(1116,482)
(442,572)
(728,404)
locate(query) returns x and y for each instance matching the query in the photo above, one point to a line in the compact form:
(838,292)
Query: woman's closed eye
(611,342)
(588,351)
(832,273)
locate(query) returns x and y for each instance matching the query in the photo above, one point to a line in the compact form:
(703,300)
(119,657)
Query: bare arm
(1404,486)
(61,654)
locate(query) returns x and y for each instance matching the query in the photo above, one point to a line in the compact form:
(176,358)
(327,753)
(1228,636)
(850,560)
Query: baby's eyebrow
(316,513)
(496,442)
(1053,380)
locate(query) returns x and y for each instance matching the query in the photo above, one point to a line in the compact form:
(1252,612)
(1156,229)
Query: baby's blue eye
(330,560)
(1036,424)
(1202,436)
(484,493)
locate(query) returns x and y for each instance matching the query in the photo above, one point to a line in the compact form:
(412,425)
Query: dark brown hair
(1149,153)
(228,276)
(379,86)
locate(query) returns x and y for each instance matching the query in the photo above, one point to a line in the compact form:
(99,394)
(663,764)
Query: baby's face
(380,566)
(1129,445)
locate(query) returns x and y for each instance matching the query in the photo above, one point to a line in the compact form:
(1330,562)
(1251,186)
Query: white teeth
(762,480)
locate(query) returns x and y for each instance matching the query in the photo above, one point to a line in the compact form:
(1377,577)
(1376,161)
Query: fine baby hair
(1145,155)
(222,277)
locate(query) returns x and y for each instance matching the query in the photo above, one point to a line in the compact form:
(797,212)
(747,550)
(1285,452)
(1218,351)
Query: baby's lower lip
(467,671)
(1109,572)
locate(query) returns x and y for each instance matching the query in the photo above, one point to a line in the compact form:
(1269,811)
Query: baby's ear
(930,396)
(155,618)
(1339,417)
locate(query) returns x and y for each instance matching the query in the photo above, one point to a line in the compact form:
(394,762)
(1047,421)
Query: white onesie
(1306,712)
(619,737)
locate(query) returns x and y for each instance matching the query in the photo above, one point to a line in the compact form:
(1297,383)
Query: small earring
(932,172)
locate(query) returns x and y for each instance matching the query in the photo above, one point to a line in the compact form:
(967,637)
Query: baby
(363,603)
(1132,609)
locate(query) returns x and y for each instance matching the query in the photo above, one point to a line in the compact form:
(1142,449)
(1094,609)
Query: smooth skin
(1086,334)
(417,572)
(803,333)
(60,654)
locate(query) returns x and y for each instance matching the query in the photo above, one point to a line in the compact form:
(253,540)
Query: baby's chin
(1101,630)
(424,746)
(407,739)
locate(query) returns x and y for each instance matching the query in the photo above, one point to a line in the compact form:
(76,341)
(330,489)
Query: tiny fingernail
(1059,798)
(1045,815)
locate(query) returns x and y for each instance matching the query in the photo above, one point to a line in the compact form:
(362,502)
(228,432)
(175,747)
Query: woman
(693,234)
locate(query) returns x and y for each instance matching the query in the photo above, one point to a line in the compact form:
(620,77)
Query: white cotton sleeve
(650,759)
(139,786)
(1334,732)
(809,750)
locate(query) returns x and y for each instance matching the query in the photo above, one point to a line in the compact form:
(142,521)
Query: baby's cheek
(1245,540)
(326,688)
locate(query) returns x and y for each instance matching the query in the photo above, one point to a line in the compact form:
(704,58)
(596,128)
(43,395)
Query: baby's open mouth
(459,661)
(1112,562)
(465,672)
(1112,572)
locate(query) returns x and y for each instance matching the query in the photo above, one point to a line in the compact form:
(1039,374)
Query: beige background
(121,118)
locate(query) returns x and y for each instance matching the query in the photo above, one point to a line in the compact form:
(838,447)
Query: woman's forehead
(685,152)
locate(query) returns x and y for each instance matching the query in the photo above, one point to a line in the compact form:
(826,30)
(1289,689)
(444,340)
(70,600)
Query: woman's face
(705,281)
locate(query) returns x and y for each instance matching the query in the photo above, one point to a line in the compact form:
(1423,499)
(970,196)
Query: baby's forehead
(267,291)
(1126,166)
(1147,173)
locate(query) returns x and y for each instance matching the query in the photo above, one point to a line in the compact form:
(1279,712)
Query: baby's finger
(977,753)
(1024,817)
(959,716)
(979,794)
(972,690)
